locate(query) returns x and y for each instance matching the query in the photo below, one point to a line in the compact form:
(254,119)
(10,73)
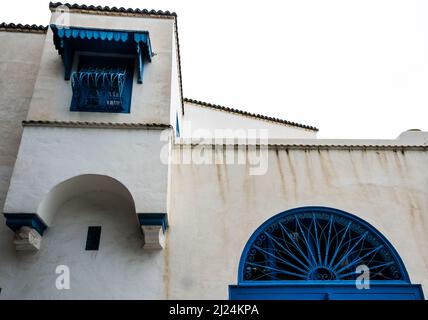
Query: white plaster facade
(80,169)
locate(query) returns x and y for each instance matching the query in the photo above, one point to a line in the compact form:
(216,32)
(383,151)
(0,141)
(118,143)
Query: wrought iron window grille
(102,84)
(99,88)
(317,243)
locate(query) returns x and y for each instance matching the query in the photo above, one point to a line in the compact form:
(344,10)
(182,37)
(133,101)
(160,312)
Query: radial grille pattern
(317,245)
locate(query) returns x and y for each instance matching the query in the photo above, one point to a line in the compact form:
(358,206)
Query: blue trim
(327,210)
(177,125)
(301,290)
(17,220)
(68,40)
(153,219)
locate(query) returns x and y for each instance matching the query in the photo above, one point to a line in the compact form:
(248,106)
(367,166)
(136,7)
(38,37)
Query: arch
(318,243)
(76,186)
(318,253)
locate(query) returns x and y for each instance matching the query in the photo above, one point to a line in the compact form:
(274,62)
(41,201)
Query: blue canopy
(67,40)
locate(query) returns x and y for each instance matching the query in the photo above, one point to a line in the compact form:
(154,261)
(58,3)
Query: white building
(112,180)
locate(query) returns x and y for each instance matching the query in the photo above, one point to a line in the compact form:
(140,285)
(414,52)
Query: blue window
(102,84)
(316,253)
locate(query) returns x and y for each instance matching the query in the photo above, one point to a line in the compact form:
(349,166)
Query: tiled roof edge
(249,114)
(115,10)
(391,147)
(18,27)
(84,124)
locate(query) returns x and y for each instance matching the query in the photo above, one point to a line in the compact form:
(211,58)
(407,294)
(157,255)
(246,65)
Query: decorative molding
(154,226)
(67,40)
(85,124)
(27,239)
(17,220)
(309,147)
(249,114)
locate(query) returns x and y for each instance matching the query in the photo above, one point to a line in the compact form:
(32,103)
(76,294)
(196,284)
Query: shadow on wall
(79,186)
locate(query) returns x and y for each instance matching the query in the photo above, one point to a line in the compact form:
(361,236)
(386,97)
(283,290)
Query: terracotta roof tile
(249,114)
(23,27)
(107,9)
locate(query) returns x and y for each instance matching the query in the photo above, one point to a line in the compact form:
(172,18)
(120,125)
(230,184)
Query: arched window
(322,248)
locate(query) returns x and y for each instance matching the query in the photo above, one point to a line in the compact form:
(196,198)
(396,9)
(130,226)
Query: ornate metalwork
(99,89)
(318,244)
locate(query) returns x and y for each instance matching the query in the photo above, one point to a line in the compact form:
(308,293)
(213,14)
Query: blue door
(319,253)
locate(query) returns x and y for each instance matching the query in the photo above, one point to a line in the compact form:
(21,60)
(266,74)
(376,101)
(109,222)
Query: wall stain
(281,173)
(308,169)
(325,167)
(354,166)
(382,160)
(400,165)
(293,174)
(220,180)
(225,166)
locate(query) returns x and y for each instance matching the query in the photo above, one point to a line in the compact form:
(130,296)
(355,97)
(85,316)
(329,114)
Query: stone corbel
(154,226)
(27,239)
(28,230)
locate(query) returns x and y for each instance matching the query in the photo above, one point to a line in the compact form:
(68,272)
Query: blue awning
(68,40)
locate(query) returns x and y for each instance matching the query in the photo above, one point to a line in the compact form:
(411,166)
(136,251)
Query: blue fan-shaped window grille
(102,84)
(318,244)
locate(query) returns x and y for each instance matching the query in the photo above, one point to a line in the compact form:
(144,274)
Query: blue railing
(98,89)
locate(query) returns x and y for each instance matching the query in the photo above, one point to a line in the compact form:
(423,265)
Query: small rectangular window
(102,84)
(93,238)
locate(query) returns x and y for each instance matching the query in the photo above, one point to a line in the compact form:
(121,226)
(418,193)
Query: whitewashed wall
(48,156)
(121,269)
(19,62)
(217,207)
(200,121)
(214,210)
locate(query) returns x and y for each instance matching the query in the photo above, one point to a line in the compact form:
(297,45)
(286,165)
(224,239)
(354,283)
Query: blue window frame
(313,253)
(102,84)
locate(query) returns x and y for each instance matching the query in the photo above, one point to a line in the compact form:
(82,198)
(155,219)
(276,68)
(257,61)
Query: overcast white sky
(355,69)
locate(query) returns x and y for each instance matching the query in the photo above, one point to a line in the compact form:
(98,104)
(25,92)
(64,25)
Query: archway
(321,253)
(80,185)
(114,266)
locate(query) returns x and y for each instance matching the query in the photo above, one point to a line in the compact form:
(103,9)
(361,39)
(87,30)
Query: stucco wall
(19,62)
(200,120)
(150,101)
(121,269)
(214,210)
(217,207)
(49,156)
